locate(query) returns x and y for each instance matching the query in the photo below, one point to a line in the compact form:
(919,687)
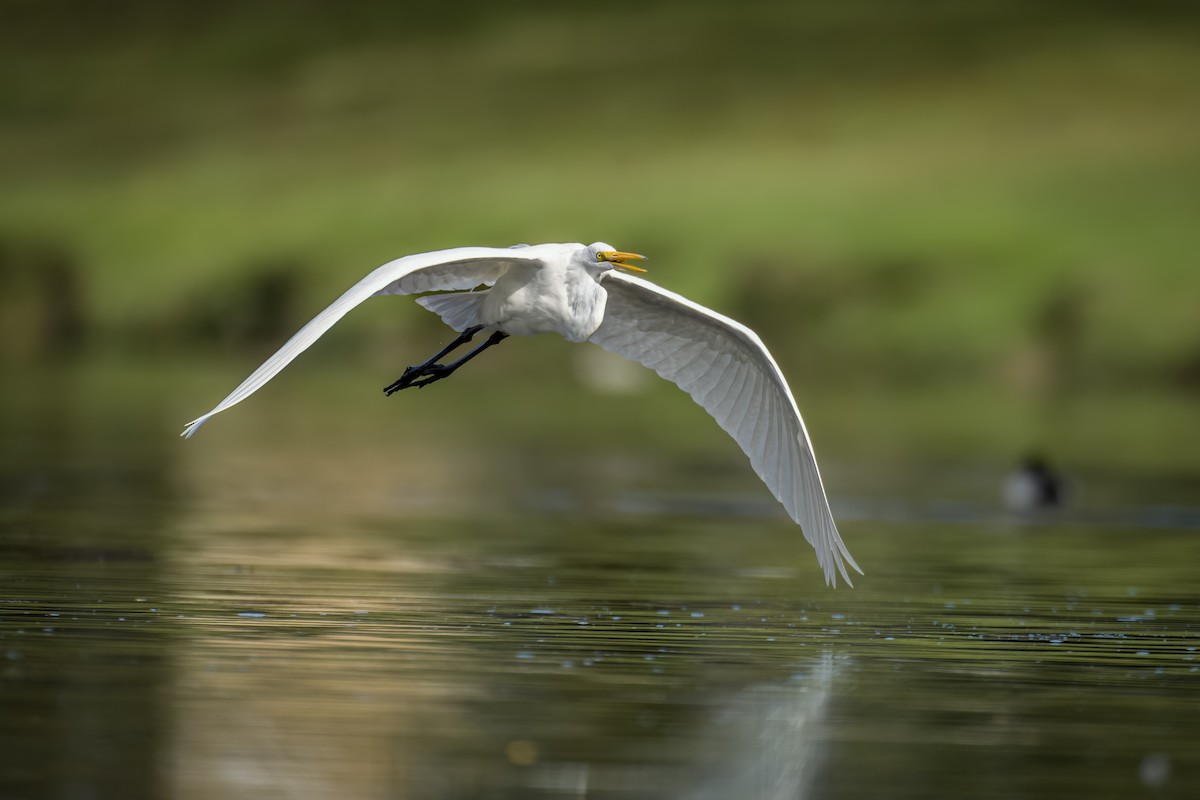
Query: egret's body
(575,291)
(530,299)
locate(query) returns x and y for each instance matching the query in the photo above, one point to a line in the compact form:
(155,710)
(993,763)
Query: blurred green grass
(996,190)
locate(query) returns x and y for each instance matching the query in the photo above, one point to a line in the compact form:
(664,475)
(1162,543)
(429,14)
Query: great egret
(583,294)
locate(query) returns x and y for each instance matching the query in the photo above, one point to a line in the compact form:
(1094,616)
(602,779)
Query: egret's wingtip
(831,580)
(831,575)
(192,427)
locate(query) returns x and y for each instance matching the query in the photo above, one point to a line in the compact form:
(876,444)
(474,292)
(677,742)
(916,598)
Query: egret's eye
(599,256)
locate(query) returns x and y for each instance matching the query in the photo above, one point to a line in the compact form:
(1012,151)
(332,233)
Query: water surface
(292,609)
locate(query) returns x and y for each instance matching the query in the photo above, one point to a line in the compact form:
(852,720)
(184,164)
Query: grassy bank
(1008,190)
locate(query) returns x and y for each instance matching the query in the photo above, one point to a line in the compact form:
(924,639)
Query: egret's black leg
(429,372)
(436,372)
(412,373)
(462,339)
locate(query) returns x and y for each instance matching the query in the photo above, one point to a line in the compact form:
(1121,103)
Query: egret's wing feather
(442,270)
(726,368)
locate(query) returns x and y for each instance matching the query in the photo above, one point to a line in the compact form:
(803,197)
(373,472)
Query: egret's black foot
(432,374)
(409,378)
(419,376)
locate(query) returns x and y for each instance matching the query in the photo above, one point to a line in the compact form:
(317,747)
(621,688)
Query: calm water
(300,604)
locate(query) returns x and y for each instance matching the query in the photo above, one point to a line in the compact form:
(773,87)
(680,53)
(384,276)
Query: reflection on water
(451,676)
(230,619)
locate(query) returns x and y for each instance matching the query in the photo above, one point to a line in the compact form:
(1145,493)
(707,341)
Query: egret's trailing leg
(412,373)
(429,372)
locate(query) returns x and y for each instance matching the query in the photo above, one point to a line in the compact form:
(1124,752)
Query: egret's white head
(605,257)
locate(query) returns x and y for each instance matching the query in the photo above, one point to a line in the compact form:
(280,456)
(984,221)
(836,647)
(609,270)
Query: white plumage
(576,291)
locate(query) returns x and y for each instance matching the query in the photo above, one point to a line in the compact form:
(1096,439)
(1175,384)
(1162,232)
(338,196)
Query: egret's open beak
(618,259)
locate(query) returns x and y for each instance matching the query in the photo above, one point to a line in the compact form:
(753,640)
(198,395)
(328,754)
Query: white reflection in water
(776,735)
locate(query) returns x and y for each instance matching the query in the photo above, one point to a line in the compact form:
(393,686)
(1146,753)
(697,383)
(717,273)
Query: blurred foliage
(1006,190)
(42,312)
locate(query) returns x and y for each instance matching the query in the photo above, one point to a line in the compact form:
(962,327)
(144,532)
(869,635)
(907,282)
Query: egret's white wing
(442,270)
(726,368)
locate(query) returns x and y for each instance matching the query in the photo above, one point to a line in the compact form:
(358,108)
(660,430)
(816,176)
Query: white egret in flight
(583,293)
